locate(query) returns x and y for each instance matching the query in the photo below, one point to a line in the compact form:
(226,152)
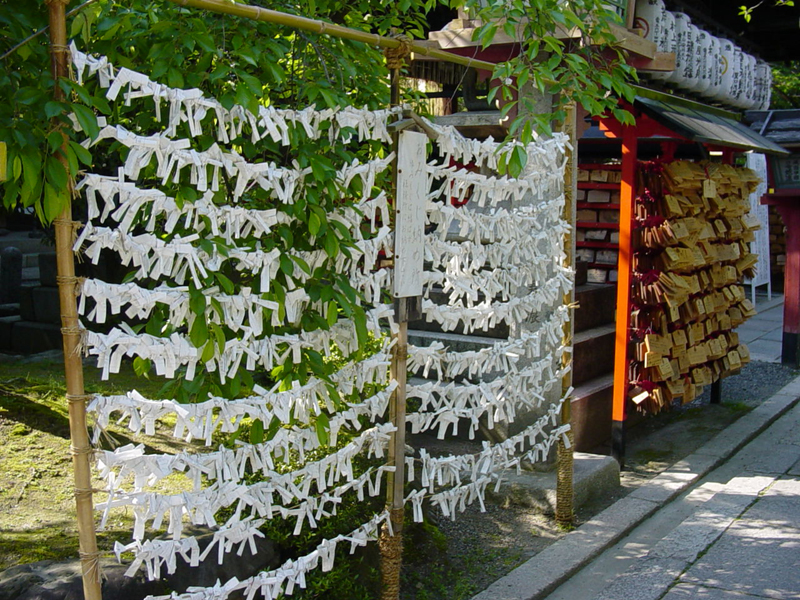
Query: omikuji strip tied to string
(494,248)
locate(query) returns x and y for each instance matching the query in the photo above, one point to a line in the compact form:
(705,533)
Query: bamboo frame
(256,13)
(32,37)
(391,547)
(565,514)
(80,447)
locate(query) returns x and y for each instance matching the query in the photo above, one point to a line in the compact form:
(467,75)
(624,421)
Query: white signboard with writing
(758,162)
(412,189)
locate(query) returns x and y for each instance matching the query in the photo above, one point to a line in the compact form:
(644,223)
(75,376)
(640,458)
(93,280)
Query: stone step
(30,261)
(25,244)
(596,305)
(437,296)
(6,331)
(591,412)
(30,275)
(30,338)
(40,304)
(454,342)
(581,272)
(593,353)
(593,476)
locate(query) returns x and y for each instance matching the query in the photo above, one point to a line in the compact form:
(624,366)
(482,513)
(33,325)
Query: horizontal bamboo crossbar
(257,13)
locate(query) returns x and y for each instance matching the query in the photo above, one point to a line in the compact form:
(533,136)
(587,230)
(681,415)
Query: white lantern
(749,77)
(764,85)
(692,63)
(714,64)
(702,62)
(728,64)
(683,50)
(667,42)
(649,18)
(737,80)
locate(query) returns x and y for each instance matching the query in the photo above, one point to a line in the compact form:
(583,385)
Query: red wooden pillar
(619,411)
(789,209)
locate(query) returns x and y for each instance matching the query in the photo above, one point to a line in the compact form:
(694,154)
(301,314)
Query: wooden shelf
(605,245)
(590,225)
(597,185)
(602,266)
(599,205)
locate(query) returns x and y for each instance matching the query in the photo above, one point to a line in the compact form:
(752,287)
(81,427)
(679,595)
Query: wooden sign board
(786,172)
(409,234)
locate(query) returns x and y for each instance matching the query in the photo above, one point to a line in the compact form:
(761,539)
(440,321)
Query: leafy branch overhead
(566,49)
(229,58)
(746,12)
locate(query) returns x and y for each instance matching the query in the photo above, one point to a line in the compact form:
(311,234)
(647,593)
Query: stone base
(30,338)
(50,580)
(594,476)
(9,310)
(47,305)
(6,331)
(591,413)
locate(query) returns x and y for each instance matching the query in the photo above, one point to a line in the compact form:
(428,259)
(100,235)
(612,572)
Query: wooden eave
(460,32)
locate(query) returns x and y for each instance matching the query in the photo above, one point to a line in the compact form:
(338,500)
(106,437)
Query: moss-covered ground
(37,507)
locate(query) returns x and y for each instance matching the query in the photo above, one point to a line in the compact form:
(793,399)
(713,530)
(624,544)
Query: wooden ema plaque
(691,253)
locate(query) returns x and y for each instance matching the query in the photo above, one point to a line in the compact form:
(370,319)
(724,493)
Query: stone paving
(763,332)
(722,524)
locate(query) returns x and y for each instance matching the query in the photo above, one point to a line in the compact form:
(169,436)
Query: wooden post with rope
(564,455)
(65,229)
(391,544)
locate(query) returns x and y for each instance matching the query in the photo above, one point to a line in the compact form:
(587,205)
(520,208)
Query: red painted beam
(627,196)
(789,209)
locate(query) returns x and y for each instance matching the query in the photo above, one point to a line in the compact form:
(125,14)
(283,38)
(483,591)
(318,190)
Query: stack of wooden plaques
(691,253)
(597,220)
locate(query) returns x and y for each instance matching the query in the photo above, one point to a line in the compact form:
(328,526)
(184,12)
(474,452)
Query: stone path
(739,537)
(720,524)
(763,333)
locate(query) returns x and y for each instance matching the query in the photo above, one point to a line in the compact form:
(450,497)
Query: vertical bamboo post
(391,546)
(564,455)
(71,334)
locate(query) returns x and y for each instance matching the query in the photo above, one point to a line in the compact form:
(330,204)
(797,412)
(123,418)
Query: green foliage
(586,67)
(252,64)
(746,12)
(232,59)
(786,85)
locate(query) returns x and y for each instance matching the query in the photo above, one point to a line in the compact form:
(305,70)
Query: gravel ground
(453,560)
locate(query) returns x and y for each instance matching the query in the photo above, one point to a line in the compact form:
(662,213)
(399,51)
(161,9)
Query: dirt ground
(478,548)
(445,560)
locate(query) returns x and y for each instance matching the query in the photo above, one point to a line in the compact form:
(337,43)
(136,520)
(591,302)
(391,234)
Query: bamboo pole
(565,514)
(257,13)
(391,546)
(32,37)
(80,446)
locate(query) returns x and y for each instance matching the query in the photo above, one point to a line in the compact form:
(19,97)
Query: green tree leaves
(584,65)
